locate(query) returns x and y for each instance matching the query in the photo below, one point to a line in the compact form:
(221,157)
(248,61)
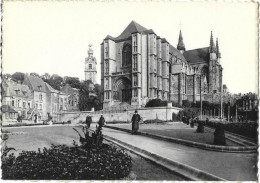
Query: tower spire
(217,49)
(181,46)
(212,47)
(90,51)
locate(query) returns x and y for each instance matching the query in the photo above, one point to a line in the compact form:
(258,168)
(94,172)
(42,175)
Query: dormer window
(40,87)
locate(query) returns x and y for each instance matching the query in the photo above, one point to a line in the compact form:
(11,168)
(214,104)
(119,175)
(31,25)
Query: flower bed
(68,163)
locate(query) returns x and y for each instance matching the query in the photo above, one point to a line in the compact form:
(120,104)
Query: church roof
(176,52)
(134,27)
(131,28)
(200,55)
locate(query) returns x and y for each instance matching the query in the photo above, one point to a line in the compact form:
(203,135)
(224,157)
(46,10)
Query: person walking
(135,122)
(88,121)
(101,121)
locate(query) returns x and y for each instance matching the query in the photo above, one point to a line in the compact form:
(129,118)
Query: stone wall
(161,113)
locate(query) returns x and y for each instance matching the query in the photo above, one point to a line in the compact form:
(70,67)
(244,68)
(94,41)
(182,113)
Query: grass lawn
(176,130)
(32,138)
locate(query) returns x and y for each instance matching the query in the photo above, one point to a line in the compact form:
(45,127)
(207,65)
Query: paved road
(230,166)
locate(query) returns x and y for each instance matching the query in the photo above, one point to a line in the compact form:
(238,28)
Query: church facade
(139,65)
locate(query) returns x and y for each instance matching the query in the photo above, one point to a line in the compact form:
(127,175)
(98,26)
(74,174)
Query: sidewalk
(230,166)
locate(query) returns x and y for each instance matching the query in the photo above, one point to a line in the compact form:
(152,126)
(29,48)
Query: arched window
(126,56)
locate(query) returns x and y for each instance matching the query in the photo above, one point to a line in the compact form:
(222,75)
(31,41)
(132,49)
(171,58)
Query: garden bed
(177,130)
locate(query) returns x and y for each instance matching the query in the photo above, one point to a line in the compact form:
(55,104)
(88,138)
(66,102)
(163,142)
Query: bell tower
(90,66)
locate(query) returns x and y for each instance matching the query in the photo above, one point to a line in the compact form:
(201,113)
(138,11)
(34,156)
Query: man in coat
(135,122)
(101,121)
(88,121)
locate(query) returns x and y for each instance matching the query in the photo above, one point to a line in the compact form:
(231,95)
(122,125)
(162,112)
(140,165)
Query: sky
(53,37)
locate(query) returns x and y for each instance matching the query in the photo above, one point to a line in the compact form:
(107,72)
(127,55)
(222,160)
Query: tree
(46,76)
(34,74)
(72,81)
(18,77)
(55,81)
(7,76)
(84,101)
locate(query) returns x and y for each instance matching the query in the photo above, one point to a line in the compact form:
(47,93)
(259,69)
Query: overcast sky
(53,37)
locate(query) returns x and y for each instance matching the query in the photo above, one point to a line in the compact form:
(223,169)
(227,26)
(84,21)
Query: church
(139,65)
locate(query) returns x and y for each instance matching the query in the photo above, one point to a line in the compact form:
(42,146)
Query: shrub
(188,113)
(186,103)
(219,135)
(156,103)
(66,163)
(153,121)
(248,129)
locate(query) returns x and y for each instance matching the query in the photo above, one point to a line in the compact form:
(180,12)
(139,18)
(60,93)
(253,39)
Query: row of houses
(36,100)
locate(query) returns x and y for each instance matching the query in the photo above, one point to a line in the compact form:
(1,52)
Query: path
(230,166)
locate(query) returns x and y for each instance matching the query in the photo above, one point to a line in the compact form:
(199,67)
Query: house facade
(17,100)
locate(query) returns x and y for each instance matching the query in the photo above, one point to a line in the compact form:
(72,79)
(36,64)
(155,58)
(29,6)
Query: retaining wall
(161,113)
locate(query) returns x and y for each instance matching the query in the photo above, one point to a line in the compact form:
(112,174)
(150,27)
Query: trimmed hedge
(248,129)
(23,124)
(68,163)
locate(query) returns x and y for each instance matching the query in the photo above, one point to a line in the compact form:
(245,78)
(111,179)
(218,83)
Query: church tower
(181,46)
(90,66)
(212,65)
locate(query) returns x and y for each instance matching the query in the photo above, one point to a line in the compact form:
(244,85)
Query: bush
(188,113)
(156,103)
(246,129)
(153,121)
(68,163)
(219,135)
(186,103)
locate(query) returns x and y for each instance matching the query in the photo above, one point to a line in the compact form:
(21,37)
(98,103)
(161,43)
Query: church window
(107,95)
(107,83)
(106,49)
(135,80)
(127,55)
(135,43)
(135,63)
(90,66)
(135,93)
(106,67)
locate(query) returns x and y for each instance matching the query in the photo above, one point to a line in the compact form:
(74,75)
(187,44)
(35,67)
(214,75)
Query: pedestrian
(88,121)
(135,122)
(101,121)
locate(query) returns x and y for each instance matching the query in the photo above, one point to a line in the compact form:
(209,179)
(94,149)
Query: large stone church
(139,65)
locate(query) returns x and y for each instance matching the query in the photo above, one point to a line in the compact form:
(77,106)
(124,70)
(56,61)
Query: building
(17,100)
(139,65)
(73,97)
(90,66)
(46,100)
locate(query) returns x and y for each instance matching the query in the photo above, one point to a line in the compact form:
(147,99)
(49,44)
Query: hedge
(248,129)
(67,163)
